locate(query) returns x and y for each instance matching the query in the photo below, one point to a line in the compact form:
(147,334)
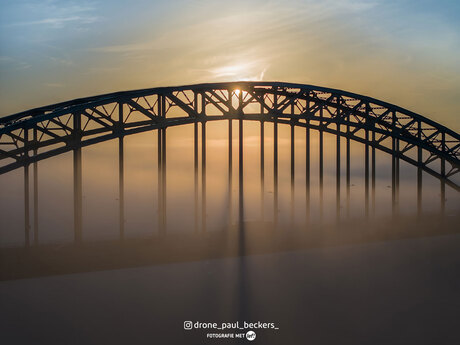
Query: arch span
(39,133)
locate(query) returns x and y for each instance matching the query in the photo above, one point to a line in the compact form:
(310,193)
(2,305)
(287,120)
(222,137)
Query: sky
(405,52)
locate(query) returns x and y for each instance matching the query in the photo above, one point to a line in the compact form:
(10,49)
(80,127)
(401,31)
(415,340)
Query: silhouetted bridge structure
(31,136)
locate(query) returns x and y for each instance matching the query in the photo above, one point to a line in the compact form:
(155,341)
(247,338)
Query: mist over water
(308,270)
(141,199)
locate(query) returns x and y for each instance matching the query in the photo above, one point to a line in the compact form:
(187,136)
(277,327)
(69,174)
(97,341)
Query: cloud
(54,14)
(125,48)
(59,22)
(15,64)
(4,58)
(62,61)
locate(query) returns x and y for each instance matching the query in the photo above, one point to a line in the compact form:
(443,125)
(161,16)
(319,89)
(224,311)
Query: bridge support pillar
(443,175)
(162,181)
(35,191)
(262,171)
(203,176)
(395,177)
(121,187)
(195,173)
(163,138)
(77,194)
(348,167)
(419,191)
(26,191)
(77,179)
(121,175)
(443,186)
(337,179)
(292,175)
(164,175)
(321,178)
(230,172)
(26,206)
(419,169)
(366,175)
(240,177)
(275,173)
(373,163)
(307,172)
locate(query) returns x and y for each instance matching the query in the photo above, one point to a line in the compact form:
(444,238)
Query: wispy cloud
(59,22)
(125,48)
(5,58)
(53,14)
(62,61)
(14,64)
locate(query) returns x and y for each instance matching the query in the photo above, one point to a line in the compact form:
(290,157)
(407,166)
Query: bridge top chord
(43,132)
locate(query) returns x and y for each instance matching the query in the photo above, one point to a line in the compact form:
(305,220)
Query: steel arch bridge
(44,132)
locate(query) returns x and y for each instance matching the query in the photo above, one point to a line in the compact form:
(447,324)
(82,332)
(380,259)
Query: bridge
(37,134)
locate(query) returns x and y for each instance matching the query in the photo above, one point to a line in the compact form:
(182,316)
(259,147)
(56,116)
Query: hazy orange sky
(403,52)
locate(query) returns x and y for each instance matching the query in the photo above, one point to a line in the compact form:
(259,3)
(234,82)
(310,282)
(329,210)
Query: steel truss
(44,132)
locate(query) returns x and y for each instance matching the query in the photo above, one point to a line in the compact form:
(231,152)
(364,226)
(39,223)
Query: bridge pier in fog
(203,176)
(230,171)
(162,181)
(395,177)
(369,162)
(419,191)
(366,175)
(77,194)
(121,188)
(77,179)
(307,172)
(443,186)
(161,167)
(121,175)
(348,166)
(26,192)
(240,177)
(292,214)
(26,206)
(262,169)
(337,179)
(241,172)
(419,169)
(35,191)
(164,177)
(373,164)
(195,174)
(275,173)
(443,175)
(321,177)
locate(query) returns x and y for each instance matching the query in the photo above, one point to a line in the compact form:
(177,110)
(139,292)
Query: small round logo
(251,335)
(188,325)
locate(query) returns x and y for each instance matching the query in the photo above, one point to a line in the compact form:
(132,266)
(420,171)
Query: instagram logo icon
(188,325)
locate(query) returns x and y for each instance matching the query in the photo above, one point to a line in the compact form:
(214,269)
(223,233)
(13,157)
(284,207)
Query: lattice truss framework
(52,130)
